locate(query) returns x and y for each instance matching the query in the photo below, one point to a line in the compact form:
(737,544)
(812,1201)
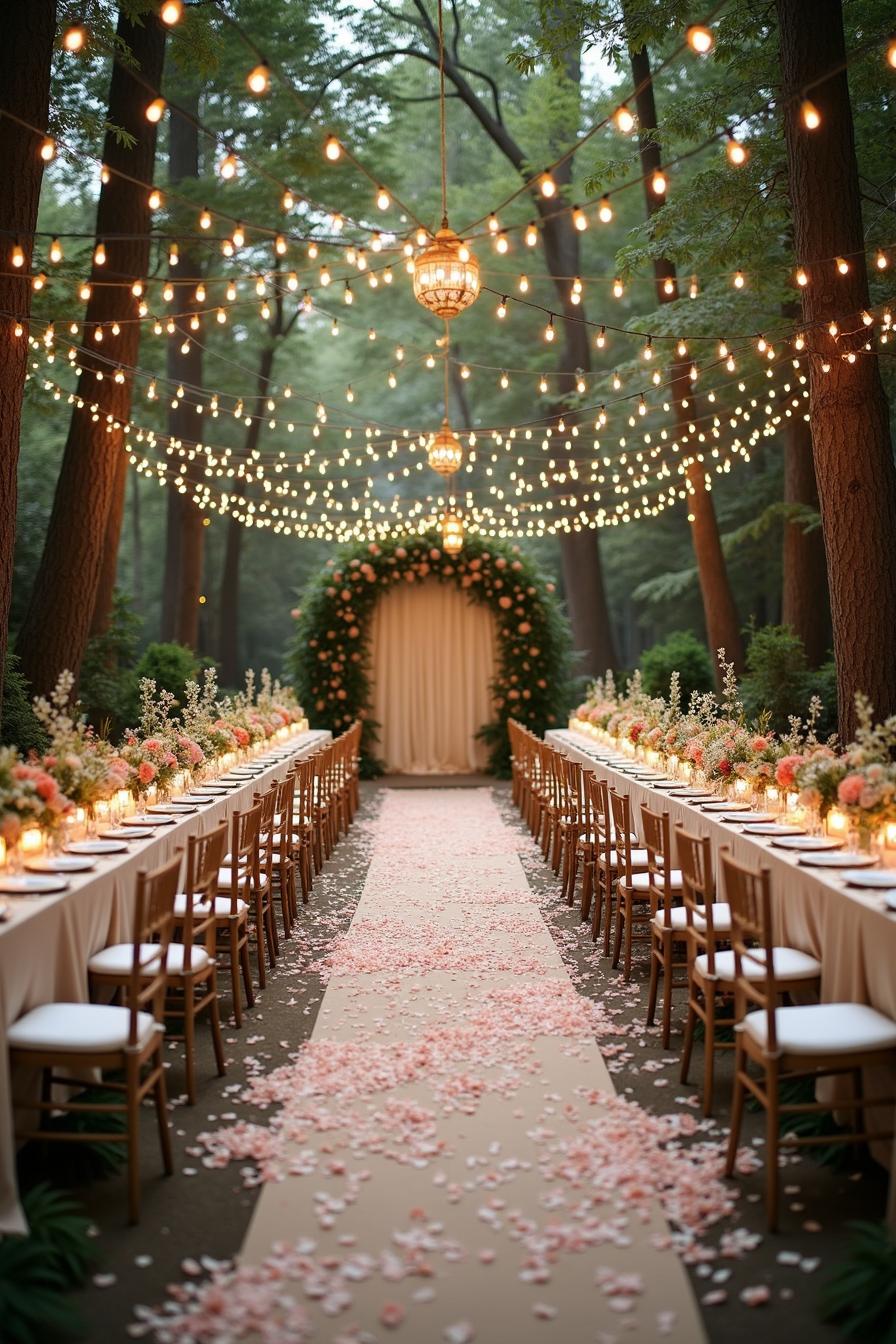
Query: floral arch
(330,649)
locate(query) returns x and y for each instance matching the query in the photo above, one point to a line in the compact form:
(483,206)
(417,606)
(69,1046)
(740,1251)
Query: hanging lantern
(452,532)
(446,275)
(445,453)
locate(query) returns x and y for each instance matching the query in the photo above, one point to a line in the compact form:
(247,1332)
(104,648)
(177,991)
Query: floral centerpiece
(29,796)
(85,766)
(150,750)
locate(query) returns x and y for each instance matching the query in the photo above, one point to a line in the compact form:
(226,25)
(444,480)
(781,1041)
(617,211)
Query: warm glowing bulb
(228,166)
(502,243)
(155,200)
(600,339)
(332,148)
(259,79)
(84,292)
(171,12)
(739,281)
(55,251)
(523,284)
(548,186)
(891,54)
(624,120)
(493,223)
(810,115)
(549,329)
(238,237)
(802,277)
(280,245)
(501,310)
(99,254)
(658,183)
(579,220)
(48,149)
(737,152)
(618,288)
(531,235)
(383,199)
(605,210)
(880,261)
(74,37)
(155,110)
(842,265)
(700,38)
(205,219)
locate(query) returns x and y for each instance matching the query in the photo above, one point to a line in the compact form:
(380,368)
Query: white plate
(63,864)
(726,807)
(172,809)
(838,859)
(149,819)
(96,847)
(128,833)
(772,829)
(808,842)
(210,790)
(27,884)
(885,881)
(688,791)
(754,819)
(195,799)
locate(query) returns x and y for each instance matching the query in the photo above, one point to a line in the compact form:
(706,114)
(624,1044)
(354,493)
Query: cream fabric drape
(433,659)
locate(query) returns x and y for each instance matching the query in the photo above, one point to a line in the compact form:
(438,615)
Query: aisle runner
(447,1159)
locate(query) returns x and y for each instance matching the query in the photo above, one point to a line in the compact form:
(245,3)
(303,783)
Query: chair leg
(160,1093)
(655,954)
(608,911)
(737,1109)
(772,1140)
(246,970)
(270,931)
(617,934)
(709,1052)
(133,1127)
(215,1019)
(629,920)
(668,954)
(235,989)
(190,1042)
(259,939)
(587,882)
(688,1045)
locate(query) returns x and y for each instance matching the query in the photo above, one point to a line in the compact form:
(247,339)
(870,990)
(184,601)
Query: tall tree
(805,604)
(848,408)
(184,532)
(25,55)
(719,610)
(58,621)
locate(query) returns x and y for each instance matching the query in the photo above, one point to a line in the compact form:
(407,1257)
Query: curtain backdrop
(432,657)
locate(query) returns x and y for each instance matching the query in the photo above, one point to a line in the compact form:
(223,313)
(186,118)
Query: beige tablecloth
(47,941)
(848,930)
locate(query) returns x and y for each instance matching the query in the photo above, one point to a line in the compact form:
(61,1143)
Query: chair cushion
(825,1029)
(118,959)
(641,881)
(202,908)
(721,918)
(225,877)
(789,964)
(88,1028)
(639,858)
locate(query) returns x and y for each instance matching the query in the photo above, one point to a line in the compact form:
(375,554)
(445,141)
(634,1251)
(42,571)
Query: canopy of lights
(612,448)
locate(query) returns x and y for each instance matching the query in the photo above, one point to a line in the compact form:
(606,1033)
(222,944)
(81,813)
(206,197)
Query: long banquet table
(849,930)
(46,941)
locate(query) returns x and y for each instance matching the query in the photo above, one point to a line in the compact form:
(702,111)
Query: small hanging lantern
(444,451)
(446,275)
(452,532)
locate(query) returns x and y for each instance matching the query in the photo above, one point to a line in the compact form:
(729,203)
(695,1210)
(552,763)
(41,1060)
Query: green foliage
(108,687)
(330,644)
(779,679)
(19,727)
(77,1163)
(170,666)
(679,652)
(37,1271)
(861,1294)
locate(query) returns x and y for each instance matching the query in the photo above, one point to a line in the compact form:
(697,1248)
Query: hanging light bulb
(738,280)
(618,288)
(842,265)
(104,174)
(810,114)
(801,277)
(891,53)
(530,237)
(228,166)
(84,291)
(605,210)
(280,245)
(99,254)
(736,151)
(547,185)
(669,287)
(579,219)
(452,532)
(55,252)
(523,284)
(230,292)
(383,199)
(155,110)
(444,452)
(38,281)
(501,310)
(658,183)
(881,262)
(502,243)
(173,255)
(332,148)
(443,283)
(600,339)
(699,38)
(493,223)
(287,200)
(171,12)
(549,329)
(48,149)
(259,79)
(238,236)
(624,120)
(74,36)
(205,219)
(504,381)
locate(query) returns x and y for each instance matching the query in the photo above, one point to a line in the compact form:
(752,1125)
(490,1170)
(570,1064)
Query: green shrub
(108,684)
(171,666)
(38,1271)
(19,727)
(861,1295)
(679,652)
(778,679)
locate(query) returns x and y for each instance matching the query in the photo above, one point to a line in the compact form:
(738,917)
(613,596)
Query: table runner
(47,941)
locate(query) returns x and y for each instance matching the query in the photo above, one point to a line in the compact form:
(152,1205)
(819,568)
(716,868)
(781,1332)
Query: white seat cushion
(225,877)
(721,918)
(93,1028)
(641,881)
(201,909)
(788,962)
(825,1029)
(118,959)
(638,856)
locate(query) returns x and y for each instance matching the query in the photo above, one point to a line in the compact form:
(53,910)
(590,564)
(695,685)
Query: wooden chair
(232,906)
(282,848)
(583,837)
(619,855)
(191,970)
(262,881)
(121,1039)
(812,1041)
(635,903)
(707,919)
(668,923)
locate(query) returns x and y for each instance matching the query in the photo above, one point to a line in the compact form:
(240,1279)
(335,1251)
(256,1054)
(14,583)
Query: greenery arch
(329,656)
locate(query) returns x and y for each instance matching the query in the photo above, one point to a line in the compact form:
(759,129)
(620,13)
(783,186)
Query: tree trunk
(805,604)
(719,611)
(57,625)
(184,531)
(25,53)
(848,409)
(105,584)
(136,544)
(229,595)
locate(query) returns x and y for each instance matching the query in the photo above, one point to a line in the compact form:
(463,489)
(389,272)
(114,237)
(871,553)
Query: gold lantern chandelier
(452,531)
(444,452)
(446,273)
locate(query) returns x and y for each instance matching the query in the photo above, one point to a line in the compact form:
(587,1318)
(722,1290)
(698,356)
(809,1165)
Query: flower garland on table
(713,737)
(86,768)
(29,796)
(329,657)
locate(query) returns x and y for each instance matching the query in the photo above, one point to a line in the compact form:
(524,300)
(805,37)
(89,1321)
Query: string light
(605,210)
(801,277)
(738,280)
(810,115)
(74,37)
(881,262)
(171,12)
(842,265)
(55,252)
(699,38)
(501,310)
(155,110)
(259,79)
(579,220)
(99,254)
(618,288)
(48,149)
(228,167)
(332,148)
(530,237)
(736,151)
(624,120)
(658,183)
(155,200)
(383,199)
(205,219)
(548,185)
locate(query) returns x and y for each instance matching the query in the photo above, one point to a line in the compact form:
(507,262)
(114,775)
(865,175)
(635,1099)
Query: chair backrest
(286,801)
(153,923)
(268,804)
(245,829)
(304,786)
(578,797)
(205,854)
(658,843)
(748,892)
(621,813)
(698,891)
